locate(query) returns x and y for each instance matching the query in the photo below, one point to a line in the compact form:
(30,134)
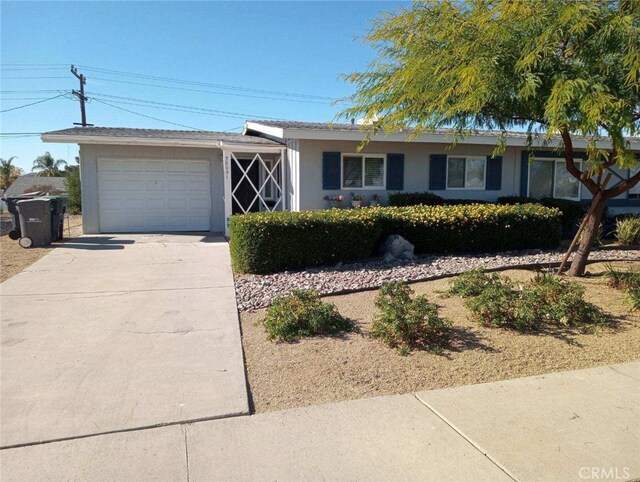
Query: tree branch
(622,186)
(571,165)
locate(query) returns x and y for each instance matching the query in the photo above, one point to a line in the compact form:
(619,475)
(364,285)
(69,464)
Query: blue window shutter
(330,170)
(524,173)
(395,172)
(494,173)
(437,172)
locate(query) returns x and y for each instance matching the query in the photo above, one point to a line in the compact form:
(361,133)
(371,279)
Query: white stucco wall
(310,194)
(416,169)
(91,153)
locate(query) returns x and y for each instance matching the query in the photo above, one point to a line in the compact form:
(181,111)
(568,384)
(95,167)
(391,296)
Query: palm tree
(47,166)
(8,172)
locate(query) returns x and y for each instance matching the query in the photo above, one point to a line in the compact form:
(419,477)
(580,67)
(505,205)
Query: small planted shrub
(628,230)
(406,323)
(626,280)
(302,313)
(473,283)
(546,300)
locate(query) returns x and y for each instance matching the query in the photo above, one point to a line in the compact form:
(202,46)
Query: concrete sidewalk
(566,426)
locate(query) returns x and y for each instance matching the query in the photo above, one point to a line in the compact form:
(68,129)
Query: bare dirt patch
(319,370)
(14,259)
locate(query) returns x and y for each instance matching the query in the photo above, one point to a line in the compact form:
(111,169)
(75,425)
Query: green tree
(565,69)
(73,187)
(8,172)
(47,166)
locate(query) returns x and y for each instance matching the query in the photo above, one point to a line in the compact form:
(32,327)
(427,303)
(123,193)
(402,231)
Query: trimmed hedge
(427,199)
(271,242)
(572,211)
(415,199)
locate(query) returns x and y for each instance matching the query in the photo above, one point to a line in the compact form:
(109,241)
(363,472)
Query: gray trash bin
(35,222)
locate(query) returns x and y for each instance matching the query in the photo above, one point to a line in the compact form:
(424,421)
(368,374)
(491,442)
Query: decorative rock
(407,255)
(397,245)
(388,258)
(257,291)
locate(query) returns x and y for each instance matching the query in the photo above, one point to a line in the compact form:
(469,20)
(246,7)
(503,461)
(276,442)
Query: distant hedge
(572,211)
(271,242)
(427,199)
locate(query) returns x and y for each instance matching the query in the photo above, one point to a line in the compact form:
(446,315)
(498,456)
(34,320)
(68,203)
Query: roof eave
(433,138)
(146,141)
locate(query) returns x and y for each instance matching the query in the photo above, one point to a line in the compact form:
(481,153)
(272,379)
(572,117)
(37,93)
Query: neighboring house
(31,182)
(137,180)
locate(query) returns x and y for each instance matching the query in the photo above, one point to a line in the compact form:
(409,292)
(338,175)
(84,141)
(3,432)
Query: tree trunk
(588,238)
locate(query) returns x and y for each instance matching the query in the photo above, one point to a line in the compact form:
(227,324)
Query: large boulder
(396,247)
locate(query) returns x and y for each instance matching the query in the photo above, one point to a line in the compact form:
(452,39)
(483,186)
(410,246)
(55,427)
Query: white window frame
(465,188)
(556,160)
(364,188)
(263,175)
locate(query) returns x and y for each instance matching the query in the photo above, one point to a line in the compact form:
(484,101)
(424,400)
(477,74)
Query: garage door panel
(148,195)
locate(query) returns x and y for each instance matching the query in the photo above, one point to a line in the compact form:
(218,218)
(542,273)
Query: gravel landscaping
(257,291)
(332,368)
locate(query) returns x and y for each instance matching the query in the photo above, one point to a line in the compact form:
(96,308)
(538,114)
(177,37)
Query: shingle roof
(125,132)
(328,126)
(28,182)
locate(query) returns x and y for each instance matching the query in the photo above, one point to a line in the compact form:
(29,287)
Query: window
(466,172)
(363,171)
(270,190)
(550,178)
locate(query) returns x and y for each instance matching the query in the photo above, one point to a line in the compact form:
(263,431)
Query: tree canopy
(8,172)
(563,68)
(553,66)
(47,166)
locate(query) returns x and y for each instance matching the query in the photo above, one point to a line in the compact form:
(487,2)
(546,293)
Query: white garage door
(153,196)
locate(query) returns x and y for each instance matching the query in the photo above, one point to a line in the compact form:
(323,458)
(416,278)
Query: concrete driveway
(111,333)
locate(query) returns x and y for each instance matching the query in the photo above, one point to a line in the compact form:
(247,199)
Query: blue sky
(233,51)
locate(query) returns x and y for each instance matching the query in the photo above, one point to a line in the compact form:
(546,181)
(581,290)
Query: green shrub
(546,300)
(303,313)
(414,199)
(511,200)
(405,323)
(427,199)
(572,211)
(73,187)
(462,202)
(271,242)
(626,280)
(628,230)
(473,283)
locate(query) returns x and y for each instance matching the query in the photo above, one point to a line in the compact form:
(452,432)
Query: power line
(147,116)
(32,68)
(179,106)
(207,91)
(204,84)
(25,78)
(29,91)
(33,103)
(173,109)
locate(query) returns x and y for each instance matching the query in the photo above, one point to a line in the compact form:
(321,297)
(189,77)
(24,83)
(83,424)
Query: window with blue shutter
(330,170)
(395,172)
(437,172)
(494,173)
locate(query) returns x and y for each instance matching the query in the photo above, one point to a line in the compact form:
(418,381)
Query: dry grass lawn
(319,370)
(14,259)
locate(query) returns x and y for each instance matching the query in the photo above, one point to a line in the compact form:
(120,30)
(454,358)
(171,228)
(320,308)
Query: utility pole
(80,95)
